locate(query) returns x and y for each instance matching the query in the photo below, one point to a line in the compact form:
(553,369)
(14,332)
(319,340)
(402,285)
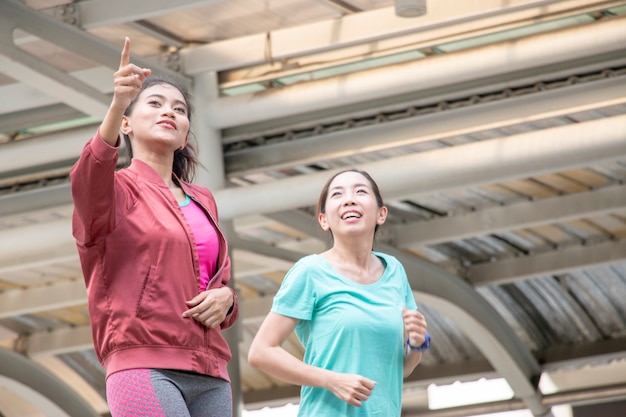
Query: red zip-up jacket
(140,265)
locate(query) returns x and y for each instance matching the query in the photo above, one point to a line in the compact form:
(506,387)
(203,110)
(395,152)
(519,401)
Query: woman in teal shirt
(352,309)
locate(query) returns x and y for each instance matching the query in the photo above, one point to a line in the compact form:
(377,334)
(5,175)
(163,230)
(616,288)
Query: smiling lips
(168,123)
(350,215)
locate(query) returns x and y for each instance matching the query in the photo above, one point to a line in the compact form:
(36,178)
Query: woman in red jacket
(154,258)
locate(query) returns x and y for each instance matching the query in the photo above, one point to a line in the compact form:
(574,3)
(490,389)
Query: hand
(210,307)
(351,388)
(127,80)
(414,326)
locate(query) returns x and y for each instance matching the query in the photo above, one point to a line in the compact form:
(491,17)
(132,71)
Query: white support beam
(26,243)
(526,108)
(64,88)
(551,263)
(97,13)
(48,150)
(26,97)
(59,341)
(16,14)
(374,30)
(485,162)
(247,263)
(486,64)
(45,298)
(516,216)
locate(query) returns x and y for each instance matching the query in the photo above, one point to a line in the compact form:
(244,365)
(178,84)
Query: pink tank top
(207,242)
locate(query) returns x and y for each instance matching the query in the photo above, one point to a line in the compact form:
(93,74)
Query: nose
(348,199)
(169,111)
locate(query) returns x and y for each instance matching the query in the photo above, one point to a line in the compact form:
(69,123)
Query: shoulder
(389,260)
(201,193)
(307,262)
(197,190)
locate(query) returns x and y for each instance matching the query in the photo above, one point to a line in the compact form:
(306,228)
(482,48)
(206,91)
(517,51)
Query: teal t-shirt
(350,328)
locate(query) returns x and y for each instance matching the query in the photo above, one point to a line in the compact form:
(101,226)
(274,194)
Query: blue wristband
(422,348)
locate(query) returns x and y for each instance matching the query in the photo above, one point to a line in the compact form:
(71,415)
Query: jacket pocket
(146,293)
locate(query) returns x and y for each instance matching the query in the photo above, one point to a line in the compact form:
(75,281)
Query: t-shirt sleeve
(409,299)
(296,295)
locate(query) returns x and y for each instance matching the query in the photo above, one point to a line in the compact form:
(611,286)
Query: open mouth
(350,215)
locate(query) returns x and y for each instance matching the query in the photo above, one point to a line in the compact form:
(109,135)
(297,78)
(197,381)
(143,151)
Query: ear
(321,218)
(125,127)
(382,215)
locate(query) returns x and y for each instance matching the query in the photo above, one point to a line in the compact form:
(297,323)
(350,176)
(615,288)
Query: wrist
(232,305)
(424,346)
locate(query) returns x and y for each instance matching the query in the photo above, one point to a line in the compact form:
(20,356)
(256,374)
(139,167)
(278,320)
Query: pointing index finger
(125,59)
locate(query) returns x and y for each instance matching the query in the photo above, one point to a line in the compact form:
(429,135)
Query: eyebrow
(162,97)
(337,187)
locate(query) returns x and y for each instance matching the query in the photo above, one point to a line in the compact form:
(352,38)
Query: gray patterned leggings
(167,393)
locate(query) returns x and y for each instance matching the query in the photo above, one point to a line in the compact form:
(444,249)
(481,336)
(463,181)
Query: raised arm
(127,82)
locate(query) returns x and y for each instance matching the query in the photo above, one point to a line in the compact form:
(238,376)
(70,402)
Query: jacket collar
(148,173)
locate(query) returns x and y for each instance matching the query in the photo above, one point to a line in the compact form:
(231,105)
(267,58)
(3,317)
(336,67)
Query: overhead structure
(496,131)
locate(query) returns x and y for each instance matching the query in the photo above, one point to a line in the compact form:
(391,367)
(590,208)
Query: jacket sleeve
(93,193)
(233,314)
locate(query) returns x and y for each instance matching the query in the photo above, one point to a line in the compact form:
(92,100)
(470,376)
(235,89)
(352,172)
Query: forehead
(349,179)
(166,90)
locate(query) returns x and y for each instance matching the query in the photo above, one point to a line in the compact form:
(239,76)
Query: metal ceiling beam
(40,386)
(23,121)
(514,216)
(27,98)
(444,124)
(44,298)
(551,263)
(25,243)
(38,199)
(37,74)
(52,150)
(485,162)
(375,30)
(59,341)
(66,146)
(486,65)
(97,13)
(19,15)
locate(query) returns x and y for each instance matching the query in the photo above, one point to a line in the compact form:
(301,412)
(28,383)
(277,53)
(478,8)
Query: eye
(181,110)
(335,194)
(154,103)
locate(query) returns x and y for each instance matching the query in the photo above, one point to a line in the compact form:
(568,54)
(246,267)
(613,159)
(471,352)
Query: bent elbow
(254,358)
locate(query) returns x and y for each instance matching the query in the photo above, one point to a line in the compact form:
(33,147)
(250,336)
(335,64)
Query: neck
(162,165)
(355,251)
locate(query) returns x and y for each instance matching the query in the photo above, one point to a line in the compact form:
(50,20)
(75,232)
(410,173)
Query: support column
(211,175)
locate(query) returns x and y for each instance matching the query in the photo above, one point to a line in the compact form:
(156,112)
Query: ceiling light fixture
(410,8)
